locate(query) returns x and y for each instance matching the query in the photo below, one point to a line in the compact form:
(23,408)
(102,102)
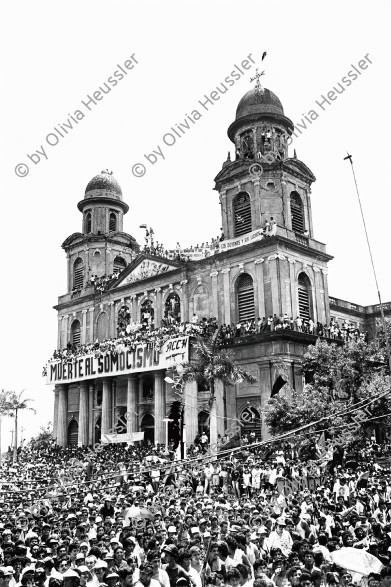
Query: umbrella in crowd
(356,560)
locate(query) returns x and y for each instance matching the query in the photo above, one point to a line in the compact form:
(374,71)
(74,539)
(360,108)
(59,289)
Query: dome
(257,102)
(106,184)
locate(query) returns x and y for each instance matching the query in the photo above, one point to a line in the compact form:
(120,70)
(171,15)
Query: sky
(56,54)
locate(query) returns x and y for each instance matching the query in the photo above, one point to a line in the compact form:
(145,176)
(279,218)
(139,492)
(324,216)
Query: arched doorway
(172,308)
(251,421)
(73,433)
(148,427)
(203,422)
(97,430)
(147,314)
(124,319)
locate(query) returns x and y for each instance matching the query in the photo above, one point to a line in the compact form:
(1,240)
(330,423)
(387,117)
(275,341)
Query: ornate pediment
(145,266)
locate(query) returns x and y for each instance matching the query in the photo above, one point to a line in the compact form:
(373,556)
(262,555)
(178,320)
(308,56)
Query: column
(132,404)
(190,394)
(326,295)
(133,308)
(55,414)
(113,403)
(310,228)
(286,204)
(65,330)
(261,288)
(227,305)
(83,415)
(112,320)
(185,315)
(294,293)
(215,299)
(91,325)
(158,307)
(106,406)
(223,203)
(83,338)
(59,332)
(91,414)
(160,407)
(319,295)
(274,284)
(62,420)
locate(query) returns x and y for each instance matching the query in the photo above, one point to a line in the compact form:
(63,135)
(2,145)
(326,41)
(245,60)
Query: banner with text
(131,437)
(140,359)
(250,237)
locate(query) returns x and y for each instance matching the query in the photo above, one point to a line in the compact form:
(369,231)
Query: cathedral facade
(269,263)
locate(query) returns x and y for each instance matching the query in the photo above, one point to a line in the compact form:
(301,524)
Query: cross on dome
(257,75)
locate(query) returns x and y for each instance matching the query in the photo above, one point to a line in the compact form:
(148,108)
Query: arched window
(73,433)
(119,265)
(172,308)
(88,222)
(148,427)
(242,214)
(102,326)
(124,319)
(78,273)
(304,295)
(112,222)
(75,332)
(297,213)
(246,306)
(147,313)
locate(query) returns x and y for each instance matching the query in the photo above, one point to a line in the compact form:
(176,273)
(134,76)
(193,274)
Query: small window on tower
(242,214)
(112,222)
(297,213)
(78,273)
(75,332)
(88,222)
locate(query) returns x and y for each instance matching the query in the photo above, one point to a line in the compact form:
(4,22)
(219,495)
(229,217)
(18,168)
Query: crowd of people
(133,334)
(132,515)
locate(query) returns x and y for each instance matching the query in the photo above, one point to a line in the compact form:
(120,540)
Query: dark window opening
(304,297)
(297,213)
(246,304)
(112,222)
(78,274)
(242,214)
(88,223)
(75,332)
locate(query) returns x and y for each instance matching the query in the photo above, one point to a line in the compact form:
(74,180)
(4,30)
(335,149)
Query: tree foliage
(341,376)
(44,439)
(213,363)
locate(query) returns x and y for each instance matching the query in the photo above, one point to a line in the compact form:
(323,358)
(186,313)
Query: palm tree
(11,402)
(213,364)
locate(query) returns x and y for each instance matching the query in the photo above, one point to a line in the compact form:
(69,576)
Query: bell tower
(102,248)
(263,183)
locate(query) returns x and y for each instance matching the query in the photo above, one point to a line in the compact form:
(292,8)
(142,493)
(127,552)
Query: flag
(278,384)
